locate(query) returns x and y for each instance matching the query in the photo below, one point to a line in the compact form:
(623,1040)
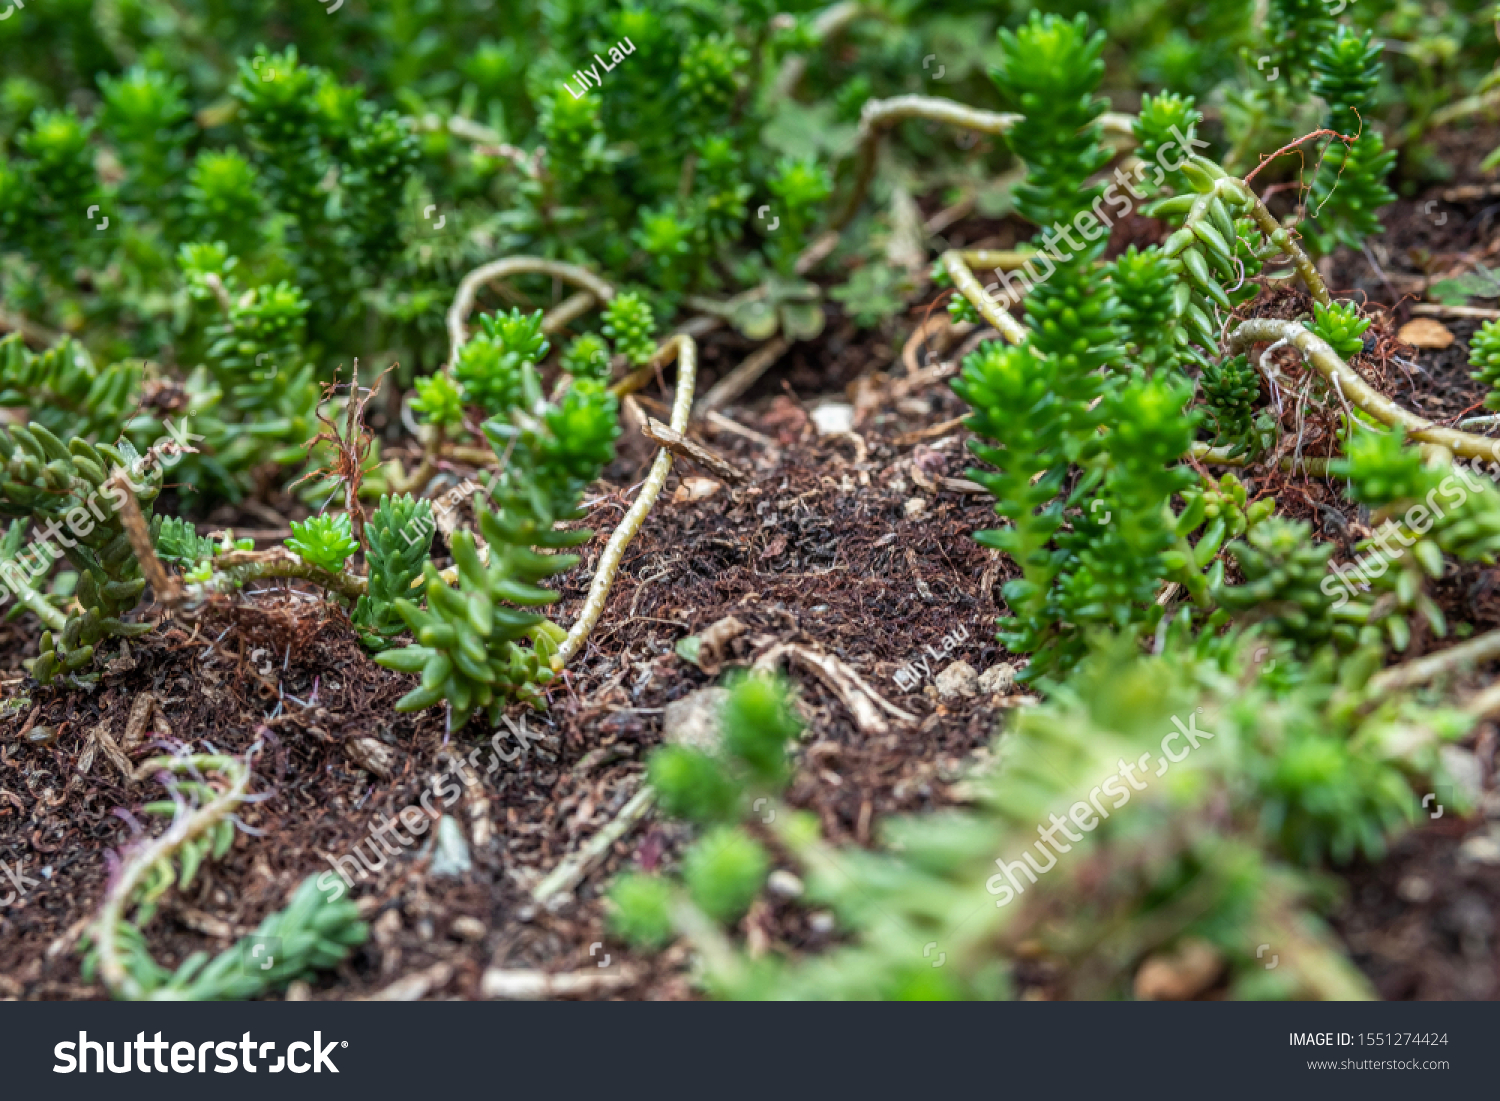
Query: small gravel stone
(959,679)
(694,720)
(915,506)
(371,755)
(821,922)
(784,884)
(452,855)
(833,416)
(1414,888)
(468,928)
(998,680)
(1479,849)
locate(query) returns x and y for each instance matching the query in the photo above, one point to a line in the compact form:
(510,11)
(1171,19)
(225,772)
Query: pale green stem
(966,284)
(138,863)
(463,301)
(880,114)
(238,567)
(686,352)
(50,616)
(1355,390)
(1412,673)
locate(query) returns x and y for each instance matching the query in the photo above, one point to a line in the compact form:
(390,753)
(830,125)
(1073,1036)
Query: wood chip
(1433,309)
(100,737)
(211,926)
(719,420)
(518,985)
(863,702)
(371,755)
(570,872)
(1179,975)
(1424,332)
(140,718)
(696,489)
(413,988)
(124,663)
(692,450)
(713,644)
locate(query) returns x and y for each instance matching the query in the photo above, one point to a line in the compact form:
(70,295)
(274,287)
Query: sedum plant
(489,367)
(1484,357)
(724,869)
(1350,186)
(64,491)
(1231,389)
(631,328)
(399,535)
(312,933)
(1341,326)
(1163,830)
(323,541)
(469,639)
(64,390)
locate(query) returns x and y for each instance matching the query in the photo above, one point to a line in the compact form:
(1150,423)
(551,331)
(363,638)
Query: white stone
(833,416)
(694,720)
(959,679)
(998,680)
(1465,770)
(784,884)
(451,857)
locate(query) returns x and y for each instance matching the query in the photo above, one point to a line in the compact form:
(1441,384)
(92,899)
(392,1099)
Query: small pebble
(1413,888)
(833,416)
(468,928)
(959,679)
(693,721)
(998,680)
(1479,849)
(784,884)
(452,855)
(915,506)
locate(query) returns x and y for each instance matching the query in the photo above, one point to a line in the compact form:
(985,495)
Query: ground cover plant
(355,457)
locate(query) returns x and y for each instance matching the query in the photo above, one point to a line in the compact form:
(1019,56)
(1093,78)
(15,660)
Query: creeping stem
(1359,393)
(238,567)
(1474,652)
(1282,238)
(880,114)
(595,290)
(54,620)
(957,265)
(185,828)
(685,351)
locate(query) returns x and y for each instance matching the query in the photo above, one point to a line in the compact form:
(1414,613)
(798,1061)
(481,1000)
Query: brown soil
(850,545)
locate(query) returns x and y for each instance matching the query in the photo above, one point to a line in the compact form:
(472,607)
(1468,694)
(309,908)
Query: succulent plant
(324,541)
(399,534)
